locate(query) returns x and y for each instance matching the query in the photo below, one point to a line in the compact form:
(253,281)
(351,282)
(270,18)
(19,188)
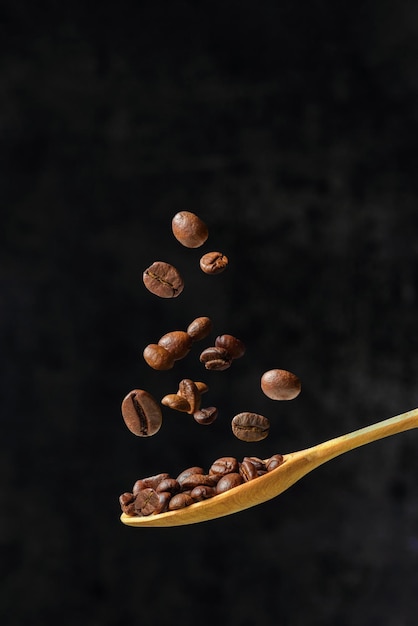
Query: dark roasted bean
(224,465)
(280,385)
(213,263)
(228,482)
(202,492)
(177,343)
(189,229)
(235,347)
(141,413)
(163,280)
(215,358)
(248,470)
(199,328)
(274,461)
(206,416)
(164,498)
(168,484)
(250,426)
(147,501)
(189,390)
(158,357)
(126,501)
(150,481)
(180,501)
(259,463)
(187,472)
(193,480)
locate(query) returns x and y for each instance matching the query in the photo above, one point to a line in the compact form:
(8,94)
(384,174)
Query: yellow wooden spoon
(295,466)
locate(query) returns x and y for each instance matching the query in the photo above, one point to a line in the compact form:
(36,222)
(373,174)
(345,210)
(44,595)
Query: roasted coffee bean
(189,390)
(141,413)
(177,343)
(189,229)
(147,501)
(168,484)
(275,461)
(259,463)
(200,328)
(206,416)
(176,402)
(150,481)
(164,498)
(213,263)
(231,344)
(163,280)
(188,472)
(280,385)
(158,357)
(126,501)
(193,480)
(180,501)
(248,470)
(224,465)
(201,387)
(228,482)
(250,426)
(217,359)
(202,492)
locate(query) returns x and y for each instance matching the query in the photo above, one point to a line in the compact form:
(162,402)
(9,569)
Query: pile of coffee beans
(142,413)
(162,493)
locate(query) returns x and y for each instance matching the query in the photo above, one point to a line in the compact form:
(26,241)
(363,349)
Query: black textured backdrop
(291,129)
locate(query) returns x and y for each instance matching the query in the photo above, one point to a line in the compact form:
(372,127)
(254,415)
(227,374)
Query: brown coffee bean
(224,465)
(158,357)
(231,344)
(164,498)
(150,481)
(201,387)
(188,390)
(202,492)
(280,384)
(275,461)
(126,501)
(180,501)
(228,482)
(177,343)
(248,470)
(217,359)
(213,263)
(163,280)
(147,501)
(259,463)
(141,413)
(250,426)
(200,328)
(206,416)
(193,480)
(189,229)
(195,469)
(168,484)
(176,402)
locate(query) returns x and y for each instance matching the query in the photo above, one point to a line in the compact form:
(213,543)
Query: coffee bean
(141,413)
(150,481)
(147,501)
(190,392)
(250,426)
(206,416)
(275,461)
(193,480)
(213,263)
(176,402)
(199,328)
(163,280)
(126,501)
(228,482)
(202,492)
(164,498)
(201,387)
(259,463)
(187,472)
(158,357)
(248,470)
(231,344)
(224,465)
(280,384)
(177,343)
(189,229)
(214,358)
(168,484)
(180,501)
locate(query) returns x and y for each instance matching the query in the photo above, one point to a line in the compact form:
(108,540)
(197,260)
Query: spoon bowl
(295,465)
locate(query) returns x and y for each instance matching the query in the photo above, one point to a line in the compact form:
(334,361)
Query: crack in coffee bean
(163,280)
(250,426)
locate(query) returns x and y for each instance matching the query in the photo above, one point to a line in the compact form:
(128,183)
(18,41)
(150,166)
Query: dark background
(290,128)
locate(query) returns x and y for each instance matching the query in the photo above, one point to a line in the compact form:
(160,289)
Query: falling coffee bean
(206,416)
(217,359)
(250,426)
(199,328)
(213,263)
(158,357)
(235,347)
(189,229)
(280,384)
(163,280)
(141,413)
(177,343)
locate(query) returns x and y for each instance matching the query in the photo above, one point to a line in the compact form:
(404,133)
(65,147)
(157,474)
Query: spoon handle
(328,450)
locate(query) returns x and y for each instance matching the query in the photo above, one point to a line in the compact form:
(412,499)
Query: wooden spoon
(295,466)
